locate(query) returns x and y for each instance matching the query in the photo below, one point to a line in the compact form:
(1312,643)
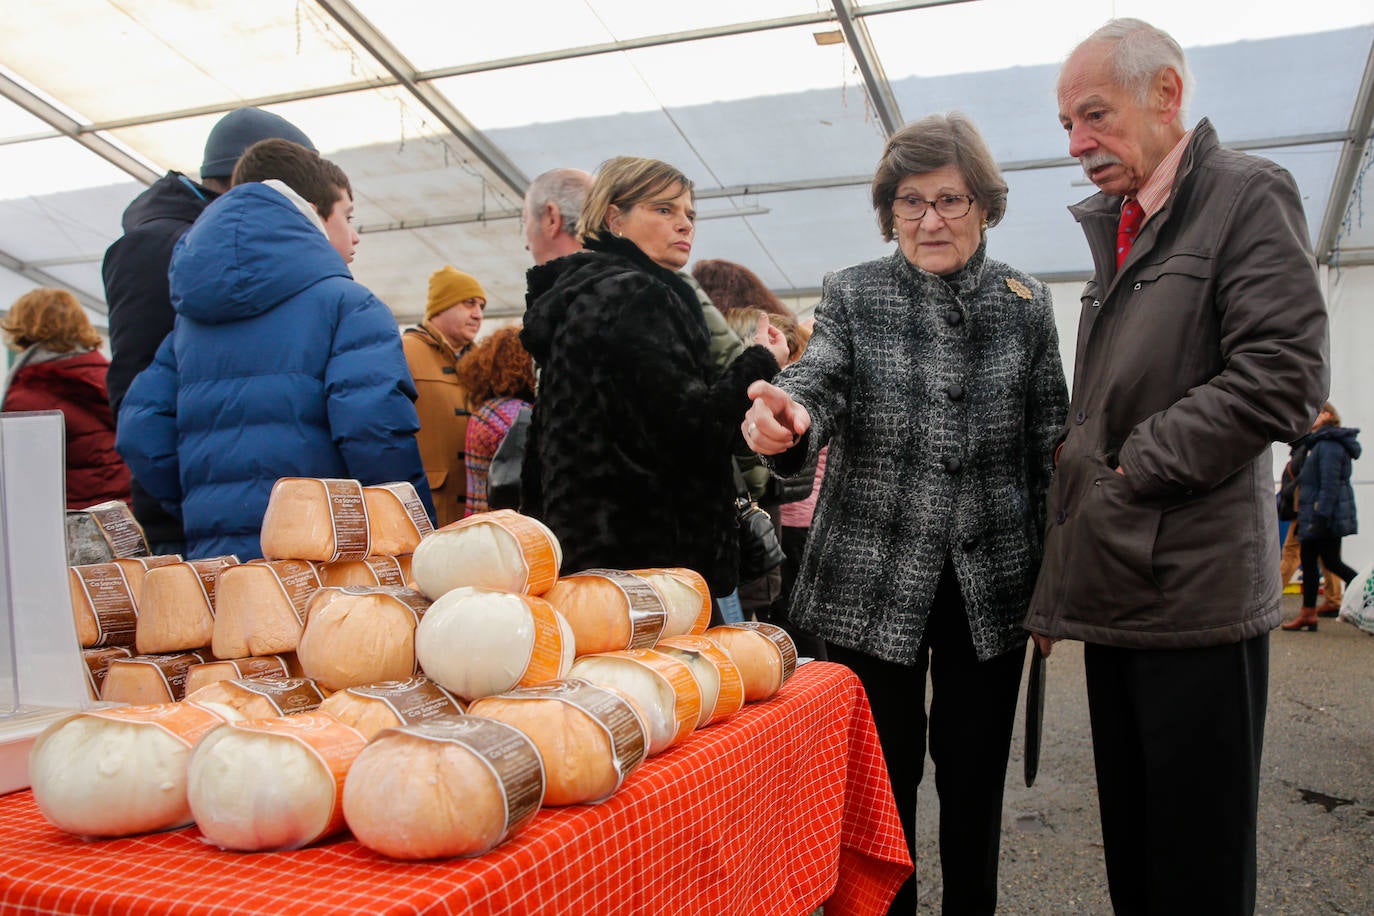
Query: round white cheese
(499,550)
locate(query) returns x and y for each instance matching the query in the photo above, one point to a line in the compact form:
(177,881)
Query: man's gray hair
(1139,51)
(566,189)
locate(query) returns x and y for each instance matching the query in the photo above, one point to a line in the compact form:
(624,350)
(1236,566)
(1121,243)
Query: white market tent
(441,111)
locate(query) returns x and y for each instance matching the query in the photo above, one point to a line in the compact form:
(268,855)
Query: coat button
(1097,303)
(1136,287)
(954,317)
(1060,517)
(1080,417)
(952,465)
(955,391)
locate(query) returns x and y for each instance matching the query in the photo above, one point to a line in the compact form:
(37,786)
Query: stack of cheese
(316,533)
(105,601)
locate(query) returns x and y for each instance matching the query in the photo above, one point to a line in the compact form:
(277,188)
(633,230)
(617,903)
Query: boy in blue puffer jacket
(279,365)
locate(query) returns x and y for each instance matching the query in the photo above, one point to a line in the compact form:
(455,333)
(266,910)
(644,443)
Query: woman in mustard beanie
(453,316)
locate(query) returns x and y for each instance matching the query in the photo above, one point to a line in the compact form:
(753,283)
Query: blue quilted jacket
(1326,500)
(280,365)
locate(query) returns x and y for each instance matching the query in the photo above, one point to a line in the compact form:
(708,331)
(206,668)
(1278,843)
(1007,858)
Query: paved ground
(1316,836)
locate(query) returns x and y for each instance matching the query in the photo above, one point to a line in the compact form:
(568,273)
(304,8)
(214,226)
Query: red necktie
(1132,215)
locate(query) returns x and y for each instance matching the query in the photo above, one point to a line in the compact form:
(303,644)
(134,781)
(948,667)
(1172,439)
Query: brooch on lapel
(1016,286)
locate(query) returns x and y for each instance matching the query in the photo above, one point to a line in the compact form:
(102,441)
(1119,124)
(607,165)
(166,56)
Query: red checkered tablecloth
(781,807)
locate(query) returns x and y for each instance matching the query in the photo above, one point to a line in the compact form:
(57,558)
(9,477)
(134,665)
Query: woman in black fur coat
(629,456)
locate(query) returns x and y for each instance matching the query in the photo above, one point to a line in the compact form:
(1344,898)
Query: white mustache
(1096,161)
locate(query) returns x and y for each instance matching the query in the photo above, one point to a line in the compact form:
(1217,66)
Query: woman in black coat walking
(1326,508)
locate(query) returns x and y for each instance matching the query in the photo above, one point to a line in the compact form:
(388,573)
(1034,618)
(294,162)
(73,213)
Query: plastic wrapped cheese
(104,532)
(590,738)
(686,596)
(313,518)
(722,687)
(445,787)
(499,550)
(396,517)
(266,784)
(391,704)
(143,680)
(176,608)
(251,668)
(97,663)
(360,635)
(765,654)
(103,605)
(661,687)
(609,609)
(135,568)
(260,607)
(262,698)
(117,772)
(476,642)
(371,571)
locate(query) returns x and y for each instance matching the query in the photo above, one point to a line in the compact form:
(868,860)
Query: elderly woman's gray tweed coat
(941,407)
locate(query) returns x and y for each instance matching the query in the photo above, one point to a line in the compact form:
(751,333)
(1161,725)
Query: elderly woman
(934,376)
(629,453)
(60,368)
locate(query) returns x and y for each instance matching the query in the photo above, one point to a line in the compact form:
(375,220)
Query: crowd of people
(942,498)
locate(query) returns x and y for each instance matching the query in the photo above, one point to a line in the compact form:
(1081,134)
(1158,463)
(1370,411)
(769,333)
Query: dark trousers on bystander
(1177,737)
(972,707)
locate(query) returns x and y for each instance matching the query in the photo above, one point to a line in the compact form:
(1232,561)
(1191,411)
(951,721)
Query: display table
(779,808)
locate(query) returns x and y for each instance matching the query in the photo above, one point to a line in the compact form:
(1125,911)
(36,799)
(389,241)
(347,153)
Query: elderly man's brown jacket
(1209,344)
(444,407)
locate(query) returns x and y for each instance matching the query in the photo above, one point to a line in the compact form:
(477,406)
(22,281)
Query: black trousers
(1177,738)
(1328,551)
(972,707)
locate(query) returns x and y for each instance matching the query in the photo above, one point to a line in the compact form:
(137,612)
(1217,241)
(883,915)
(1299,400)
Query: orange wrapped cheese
(686,597)
(312,518)
(722,687)
(609,609)
(589,738)
(371,571)
(271,783)
(476,642)
(251,668)
(764,653)
(177,605)
(360,635)
(103,605)
(445,787)
(396,518)
(662,689)
(97,662)
(391,704)
(262,698)
(144,680)
(260,607)
(500,550)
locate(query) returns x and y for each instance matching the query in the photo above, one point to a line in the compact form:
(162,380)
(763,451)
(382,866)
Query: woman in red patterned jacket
(60,368)
(498,374)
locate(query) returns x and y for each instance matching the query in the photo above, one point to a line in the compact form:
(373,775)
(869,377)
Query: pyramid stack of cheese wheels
(463,655)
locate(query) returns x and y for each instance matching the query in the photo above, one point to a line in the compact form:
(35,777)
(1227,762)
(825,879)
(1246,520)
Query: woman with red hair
(61,368)
(499,377)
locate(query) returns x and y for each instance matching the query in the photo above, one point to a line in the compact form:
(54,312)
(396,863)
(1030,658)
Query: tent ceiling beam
(1357,137)
(67,127)
(376,44)
(870,67)
(43,278)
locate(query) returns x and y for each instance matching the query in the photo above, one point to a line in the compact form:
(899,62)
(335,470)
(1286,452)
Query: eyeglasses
(948,206)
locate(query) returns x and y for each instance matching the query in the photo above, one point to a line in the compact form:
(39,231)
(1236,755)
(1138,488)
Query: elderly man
(1202,340)
(552,204)
(453,316)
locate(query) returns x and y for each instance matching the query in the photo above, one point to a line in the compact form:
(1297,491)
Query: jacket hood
(1344,435)
(83,368)
(250,251)
(173,196)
